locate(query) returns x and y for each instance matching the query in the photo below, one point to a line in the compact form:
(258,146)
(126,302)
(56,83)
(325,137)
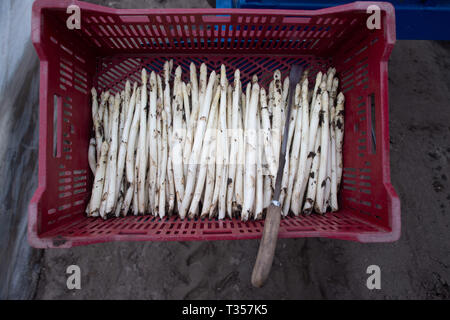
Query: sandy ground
(416,266)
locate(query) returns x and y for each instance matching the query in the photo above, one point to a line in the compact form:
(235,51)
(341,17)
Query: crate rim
(39,5)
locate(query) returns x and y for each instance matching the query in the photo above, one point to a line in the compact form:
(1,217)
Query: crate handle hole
(57,128)
(208,18)
(295,20)
(373,135)
(134,19)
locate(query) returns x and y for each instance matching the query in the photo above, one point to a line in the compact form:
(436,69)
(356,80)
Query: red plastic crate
(114,45)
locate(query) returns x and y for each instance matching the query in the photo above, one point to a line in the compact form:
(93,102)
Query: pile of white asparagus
(207,148)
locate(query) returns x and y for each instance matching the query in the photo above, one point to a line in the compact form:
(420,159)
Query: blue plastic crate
(415,19)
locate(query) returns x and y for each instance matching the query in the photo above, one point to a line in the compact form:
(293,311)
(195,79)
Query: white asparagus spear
(222,208)
(332,97)
(327,192)
(106,118)
(273,118)
(107,132)
(170,192)
(218,171)
(204,161)
(245,101)
(259,196)
(310,94)
(312,181)
(161,174)
(234,142)
(177,150)
(135,203)
(187,113)
(148,205)
(301,171)
(147,184)
(92,155)
(330,76)
(271,97)
(268,148)
(88,210)
(284,180)
(170,65)
(248,93)
(333,197)
(158,177)
(127,200)
(98,122)
(226,179)
(94,103)
(158,173)
(314,94)
(122,109)
(127,97)
(299,184)
(296,145)
(267,191)
(112,162)
(243,105)
(198,140)
(125,135)
(305,76)
(284,97)
(95,111)
(102,211)
(223,142)
(293,122)
(239,185)
(276,120)
(167,99)
(184,131)
(132,139)
(229,113)
(229,116)
(255,80)
(250,159)
(170,183)
(325,139)
(152,142)
(120,201)
(136,173)
(193,118)
(323,85)
(97,190)
(339,124)
(163,167)
(267,134)
(110,116)
(202,85)
(142,145)
(211,169)
(216,83)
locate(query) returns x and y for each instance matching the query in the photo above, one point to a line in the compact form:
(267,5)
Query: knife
(269,237)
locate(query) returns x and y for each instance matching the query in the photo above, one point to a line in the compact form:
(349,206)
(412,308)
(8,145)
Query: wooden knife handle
(267,246)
